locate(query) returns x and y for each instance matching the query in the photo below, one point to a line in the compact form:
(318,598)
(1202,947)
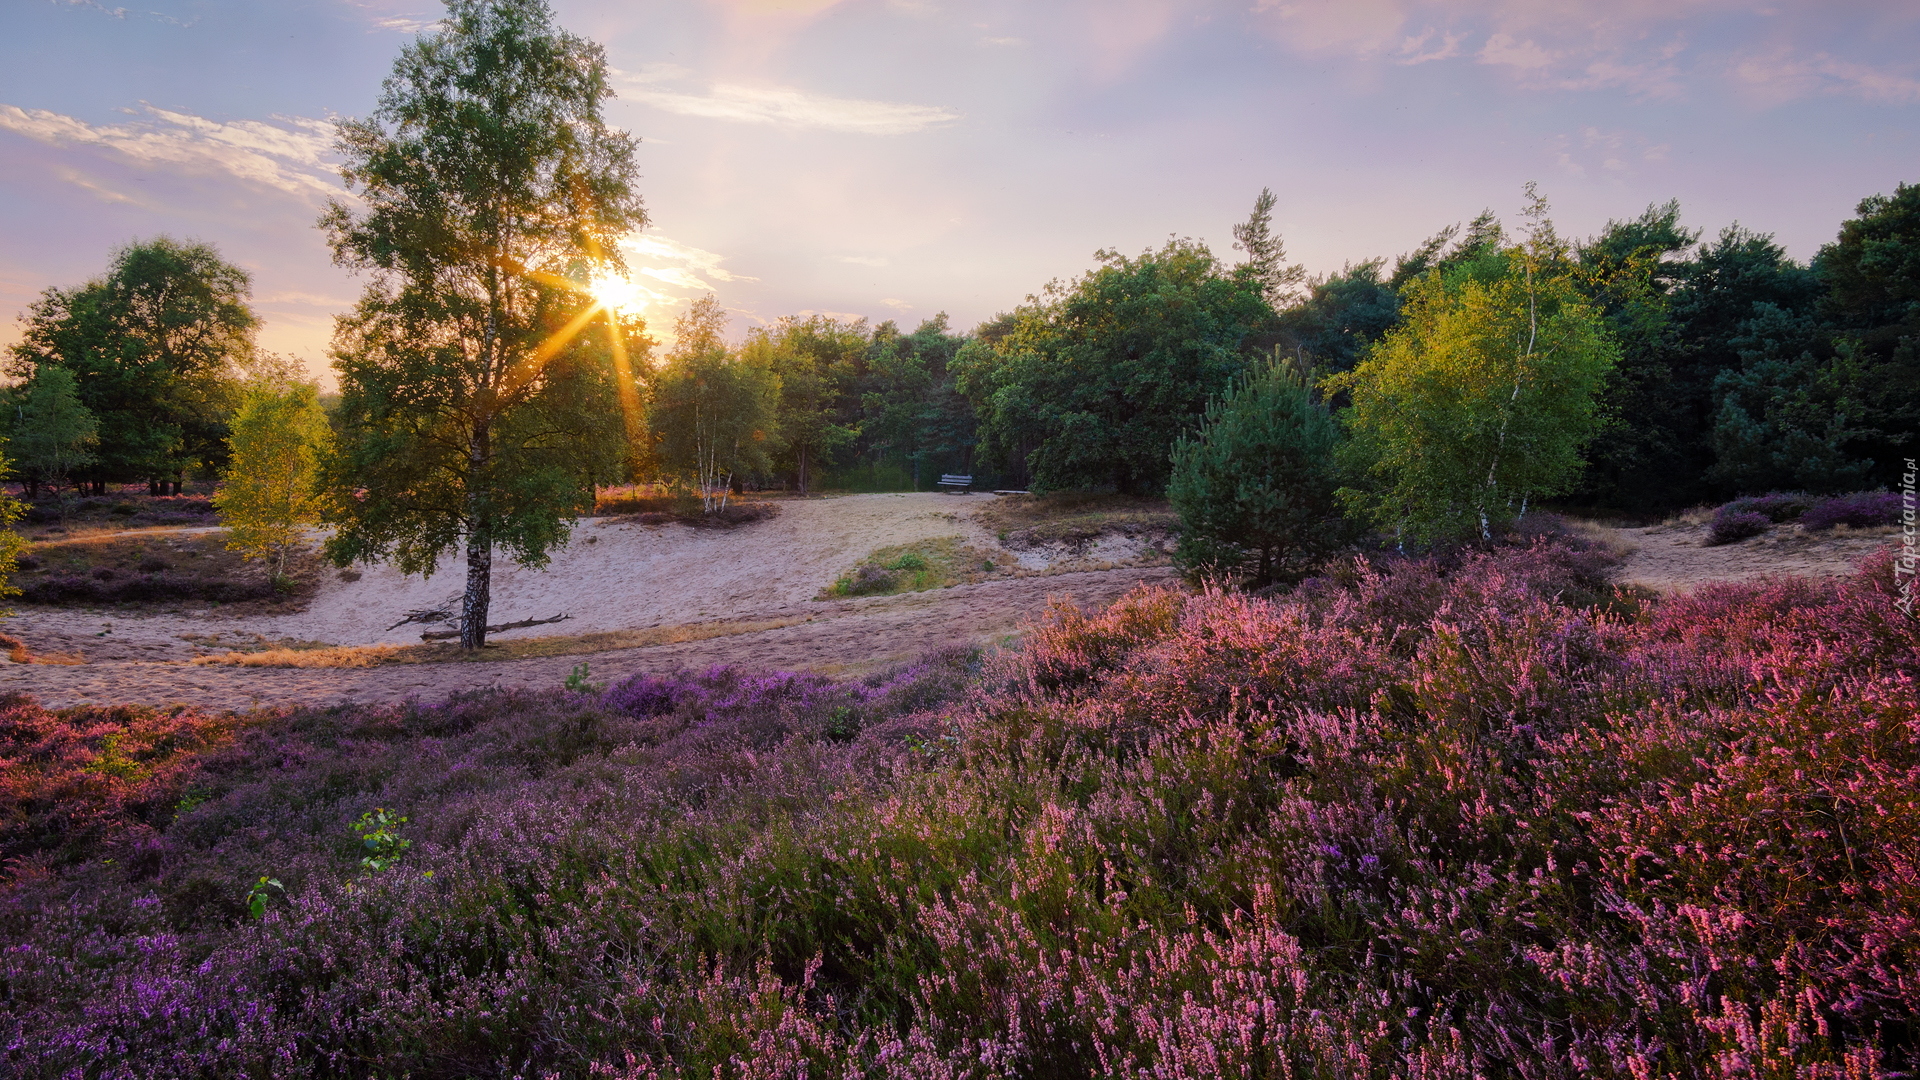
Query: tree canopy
(1088,384)
(476,410)
(156,348)
(1482,399)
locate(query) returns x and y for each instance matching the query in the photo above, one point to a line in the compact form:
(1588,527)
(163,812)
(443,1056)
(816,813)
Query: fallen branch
(427,616)
(442,635)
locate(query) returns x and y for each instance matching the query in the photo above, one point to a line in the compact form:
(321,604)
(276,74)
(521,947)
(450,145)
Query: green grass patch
(915,567)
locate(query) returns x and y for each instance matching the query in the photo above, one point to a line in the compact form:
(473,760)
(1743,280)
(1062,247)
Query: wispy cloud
(287,156)
(653,249)
(793,108)
(1781,76)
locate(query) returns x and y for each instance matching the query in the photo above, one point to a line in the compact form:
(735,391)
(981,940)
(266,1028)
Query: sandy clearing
(1677,558)
(616,574)
(850,638)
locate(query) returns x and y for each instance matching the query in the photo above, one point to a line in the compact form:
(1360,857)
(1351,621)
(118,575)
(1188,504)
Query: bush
(1729,526)
(106,586)
(1861,510)
(1778,506)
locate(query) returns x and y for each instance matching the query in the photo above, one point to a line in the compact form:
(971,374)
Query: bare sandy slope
(616,575)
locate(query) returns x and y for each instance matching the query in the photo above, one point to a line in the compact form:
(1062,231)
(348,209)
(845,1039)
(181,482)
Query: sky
(895,159)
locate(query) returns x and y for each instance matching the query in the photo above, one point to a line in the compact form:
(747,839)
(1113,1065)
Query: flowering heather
(1731,525)
(1862,510)
(1419,818)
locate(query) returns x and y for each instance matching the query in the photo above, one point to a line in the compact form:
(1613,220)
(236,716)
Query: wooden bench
(956,485)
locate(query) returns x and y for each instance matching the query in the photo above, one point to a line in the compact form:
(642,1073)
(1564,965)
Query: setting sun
(617,292)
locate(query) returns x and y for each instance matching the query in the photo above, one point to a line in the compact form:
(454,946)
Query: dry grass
(361,656)
(18,652)
(1074,517)
(342,656)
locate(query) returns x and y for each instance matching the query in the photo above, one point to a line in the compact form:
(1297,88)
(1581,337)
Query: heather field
(1482,815)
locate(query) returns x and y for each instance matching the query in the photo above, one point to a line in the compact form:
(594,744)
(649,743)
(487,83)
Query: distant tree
(156,348)
(1482,399)
(54,435)
(714,414)
(1266,261)
(907,408)
(1643,455)
(474,413)
(1871,272)
(1255,487)
(270,495)
(1340,317)
(1089,384)
(813,359)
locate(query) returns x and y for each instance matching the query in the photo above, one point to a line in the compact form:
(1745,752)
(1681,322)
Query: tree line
(486,394)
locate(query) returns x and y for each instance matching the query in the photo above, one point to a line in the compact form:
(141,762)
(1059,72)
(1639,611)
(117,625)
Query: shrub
(1729,526)
(1778,506)
(1861,510)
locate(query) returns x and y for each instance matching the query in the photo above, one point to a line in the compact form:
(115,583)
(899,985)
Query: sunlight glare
(617,292)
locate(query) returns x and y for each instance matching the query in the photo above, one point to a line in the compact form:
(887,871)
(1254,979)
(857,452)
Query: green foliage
(12,544)
(55,434)
(1089,384)
(270,496)
(256,898)
(714,414)
(1872,273)
(580,680)
(474,412)
(908,413)
(1255,488)
(1340,318)
(155,348)
(812,360)
(378,830)
(1482,399)
(1648,450)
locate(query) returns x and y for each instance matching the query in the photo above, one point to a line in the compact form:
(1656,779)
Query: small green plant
(579,683)
(377,829)
(842,724)
(114,762)
(189,799)
(912,560)
(257,896)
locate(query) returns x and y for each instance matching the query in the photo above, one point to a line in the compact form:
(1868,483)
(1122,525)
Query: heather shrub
(1420,818)
(1862,510)
(1777,506)
(1730,526)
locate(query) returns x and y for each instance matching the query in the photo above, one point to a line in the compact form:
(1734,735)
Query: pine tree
(56,434)
(1255,487)
(1266,260)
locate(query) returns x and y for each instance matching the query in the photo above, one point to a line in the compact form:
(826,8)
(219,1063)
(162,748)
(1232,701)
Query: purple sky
(897,158)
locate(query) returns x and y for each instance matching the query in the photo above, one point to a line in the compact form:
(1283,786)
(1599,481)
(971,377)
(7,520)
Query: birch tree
(478,411)
(1481,400)
(270,496)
